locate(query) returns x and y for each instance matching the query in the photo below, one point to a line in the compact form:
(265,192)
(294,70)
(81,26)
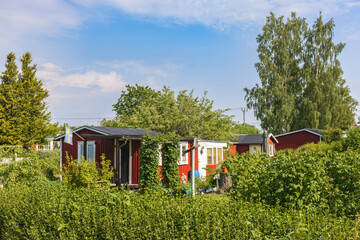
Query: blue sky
(87,50)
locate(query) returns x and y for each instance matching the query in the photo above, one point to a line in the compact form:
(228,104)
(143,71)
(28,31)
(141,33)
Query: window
(214,155)
(183,157)
(271,150)
(90,151)
(160,156)
(255,148)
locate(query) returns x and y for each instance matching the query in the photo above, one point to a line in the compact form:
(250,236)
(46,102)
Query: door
(124,163)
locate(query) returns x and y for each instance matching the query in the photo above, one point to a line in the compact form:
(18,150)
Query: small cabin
(298,138)
(254,143)
(211,153)
(121,146)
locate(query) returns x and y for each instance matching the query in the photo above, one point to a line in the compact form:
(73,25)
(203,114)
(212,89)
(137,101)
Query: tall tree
(23,113)
(164,111)
(300,86)
(9,103)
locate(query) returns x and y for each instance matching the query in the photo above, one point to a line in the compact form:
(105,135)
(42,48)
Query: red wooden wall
(103,145)
(135,161)
(295,140)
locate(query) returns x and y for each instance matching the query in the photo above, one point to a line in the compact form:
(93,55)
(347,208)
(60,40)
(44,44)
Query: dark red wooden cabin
(121,146)
(253,143)
(298,138)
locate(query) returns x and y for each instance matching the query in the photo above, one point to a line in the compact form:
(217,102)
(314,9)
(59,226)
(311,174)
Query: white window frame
(186,162)
(271,150)
(251,148)
(215,158)
(81,144)
(160,156)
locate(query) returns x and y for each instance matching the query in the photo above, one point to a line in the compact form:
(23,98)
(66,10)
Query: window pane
(209,156)
(220,155)
(214,156)
(91,152)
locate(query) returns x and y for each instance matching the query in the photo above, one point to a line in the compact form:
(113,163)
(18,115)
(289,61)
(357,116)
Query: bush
(296,179)
(46,211)
(352,141)
(149,162)
(35,166)
(170,158)
(86,173)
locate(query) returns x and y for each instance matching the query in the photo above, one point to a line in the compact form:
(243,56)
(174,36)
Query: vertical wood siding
(296,140)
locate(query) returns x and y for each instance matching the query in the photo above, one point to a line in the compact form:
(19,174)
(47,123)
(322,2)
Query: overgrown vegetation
(87,174)
(169,168)
(52,212)
(328,180)
(149,162)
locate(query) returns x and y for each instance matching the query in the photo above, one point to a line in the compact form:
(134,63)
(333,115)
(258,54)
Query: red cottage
(297,138)
(254,143)
(121,146)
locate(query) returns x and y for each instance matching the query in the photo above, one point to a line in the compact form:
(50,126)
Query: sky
(87,51)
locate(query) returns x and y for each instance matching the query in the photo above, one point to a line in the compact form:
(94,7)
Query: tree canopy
(301,77)
(24,119)
(166,112)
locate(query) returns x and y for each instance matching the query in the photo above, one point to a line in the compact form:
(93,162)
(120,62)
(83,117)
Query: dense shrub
(34,166)
(86,173)
(149,162)
(46,211)
(324,179)
(352,141)
(332,135)
(170,159)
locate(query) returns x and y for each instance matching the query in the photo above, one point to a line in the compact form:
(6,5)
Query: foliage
(352,140)
(47,211)
(238,128)
(149,162)
(85,174)
(24,119)
(301,77)
(315,147)
(34,167)
(170,159)
(164,111)
(333,134)
(326,179)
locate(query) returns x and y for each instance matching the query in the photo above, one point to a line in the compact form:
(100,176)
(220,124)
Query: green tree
(239,128)
(164,111)
(301,78)
(23,113)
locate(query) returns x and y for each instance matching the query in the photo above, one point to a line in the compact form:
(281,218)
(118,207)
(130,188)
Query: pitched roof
(314,131)
(249,139)
(115,132)
(252,139)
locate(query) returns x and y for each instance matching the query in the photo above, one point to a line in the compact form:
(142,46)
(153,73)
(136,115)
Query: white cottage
(211,153)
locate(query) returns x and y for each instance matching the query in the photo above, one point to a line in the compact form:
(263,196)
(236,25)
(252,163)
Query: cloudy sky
(88,50)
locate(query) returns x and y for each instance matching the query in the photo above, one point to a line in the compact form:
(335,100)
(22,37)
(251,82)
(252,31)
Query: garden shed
(298,138)
(121,146)
(254,143)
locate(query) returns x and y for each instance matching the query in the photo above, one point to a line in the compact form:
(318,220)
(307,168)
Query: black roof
(248,139)
(125,131)
(110,132)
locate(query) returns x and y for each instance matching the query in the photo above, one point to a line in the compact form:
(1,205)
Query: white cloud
(223,13)
(54,77)
(20,18)
(137,67)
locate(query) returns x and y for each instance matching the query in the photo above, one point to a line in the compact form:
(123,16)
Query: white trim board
(79,129)
(300,130)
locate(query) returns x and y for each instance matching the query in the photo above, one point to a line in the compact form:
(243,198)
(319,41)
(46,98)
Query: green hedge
(48,211)
(295,179)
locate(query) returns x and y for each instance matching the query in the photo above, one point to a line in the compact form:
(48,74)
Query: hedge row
(295,179)
(49,211)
